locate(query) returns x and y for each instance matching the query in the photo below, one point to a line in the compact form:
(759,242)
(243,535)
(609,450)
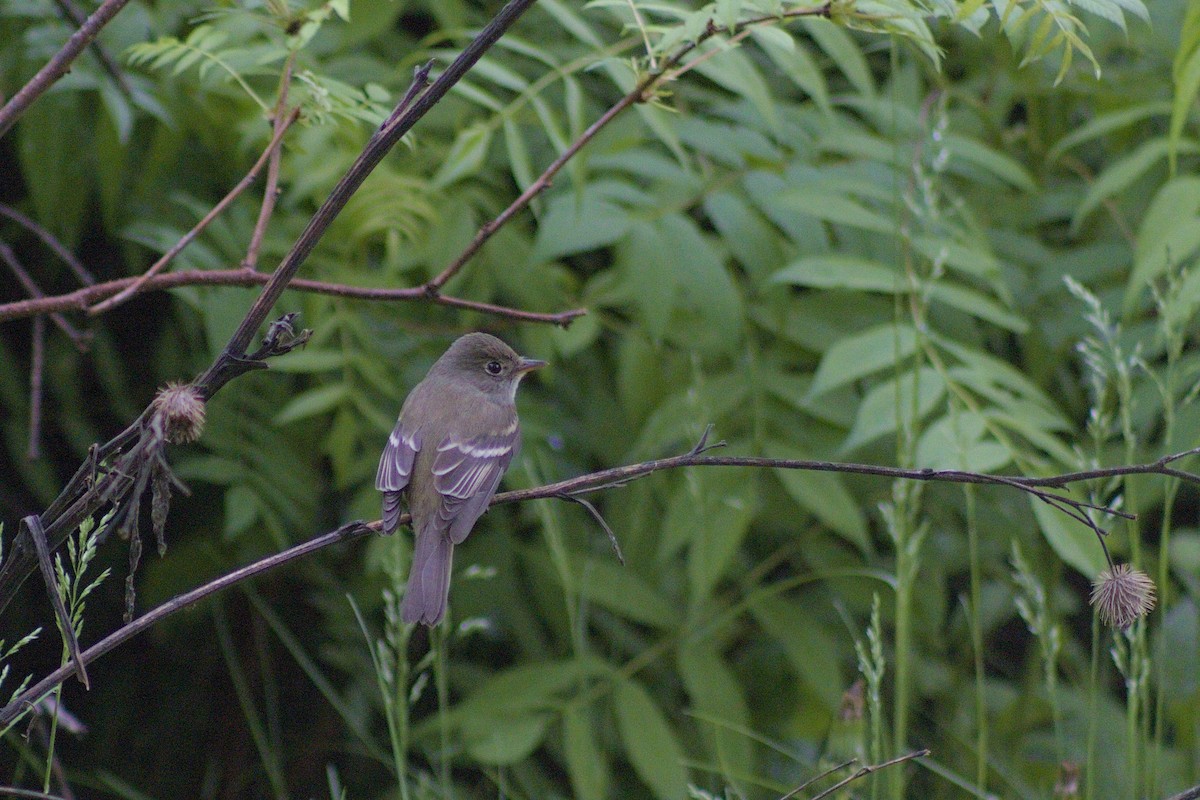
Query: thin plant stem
(440,641)
(1090,764)
(280,120)
(224,203)
(976,625)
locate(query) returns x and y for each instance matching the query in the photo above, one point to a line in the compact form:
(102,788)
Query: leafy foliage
(846,238)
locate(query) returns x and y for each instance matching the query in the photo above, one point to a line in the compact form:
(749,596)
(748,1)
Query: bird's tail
(429,578)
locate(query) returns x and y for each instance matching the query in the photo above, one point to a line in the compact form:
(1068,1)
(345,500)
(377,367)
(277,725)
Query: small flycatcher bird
(456,435)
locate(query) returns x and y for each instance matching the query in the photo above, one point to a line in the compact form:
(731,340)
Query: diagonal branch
(569,489)
(81,339)
(82,299)
(379,145)
(660,72)
(280,120)
(71,10)
(138,450)
(59,64)
(224,203)
(60,250)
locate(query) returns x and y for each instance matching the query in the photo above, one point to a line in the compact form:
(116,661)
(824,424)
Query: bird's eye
(493,368)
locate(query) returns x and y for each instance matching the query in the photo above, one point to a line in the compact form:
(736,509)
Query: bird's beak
(527,364)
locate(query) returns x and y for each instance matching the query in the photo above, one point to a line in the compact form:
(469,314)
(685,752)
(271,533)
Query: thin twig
(32,525)
(82,299)
(582,484)
(189,237)
(76,15)
(659,73)
(377,147)
(596,515)
(81,339)
(420,82)
(60,250)
(126,632)
(37,368)
(865,769)
(138,448)
(819,776)
(59,64)
(12,791)
(279,122)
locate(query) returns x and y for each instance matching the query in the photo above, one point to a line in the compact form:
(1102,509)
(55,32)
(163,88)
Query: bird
(456,435)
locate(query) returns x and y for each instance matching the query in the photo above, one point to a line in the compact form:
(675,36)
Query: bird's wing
(466,473)
(396,463)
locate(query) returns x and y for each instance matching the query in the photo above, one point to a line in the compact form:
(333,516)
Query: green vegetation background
(830,241)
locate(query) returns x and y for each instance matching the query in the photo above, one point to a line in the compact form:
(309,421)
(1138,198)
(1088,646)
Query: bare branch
(279,122)
(660,73)
(864,770)
(32,527)
(568,489)
(37,370)
(85,277)
(81,339)
(136,454)
(189,237)
(379,145)
(59,64)
(81,299)
(71,10)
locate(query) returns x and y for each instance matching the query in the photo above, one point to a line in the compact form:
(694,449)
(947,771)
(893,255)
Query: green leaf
(715,692)
(1122,172)
(823,494)
(466,155)
(309,360)
(794,61)
(811,651)
(650,276)
(518,154)
(732,70)
(1169,234)
(977,305)
(980,155)
(844,52)
(586,764)
(517,691)
(837,209)
(504,740)
(313,403)
(856,357)
(961,441)
(621,590)
(832,271)
(1074,542)
(655,753)
(1106,123)
(576,227)
(241,510)
(891,402)
(720,533)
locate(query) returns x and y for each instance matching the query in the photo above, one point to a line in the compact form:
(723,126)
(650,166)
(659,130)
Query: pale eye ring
(493,368)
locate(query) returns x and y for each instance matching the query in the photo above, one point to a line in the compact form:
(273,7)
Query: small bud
(1122,594)
(180,410)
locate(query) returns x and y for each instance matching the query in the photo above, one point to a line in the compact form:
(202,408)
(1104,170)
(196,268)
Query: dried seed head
(180,412)
(1122,594)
